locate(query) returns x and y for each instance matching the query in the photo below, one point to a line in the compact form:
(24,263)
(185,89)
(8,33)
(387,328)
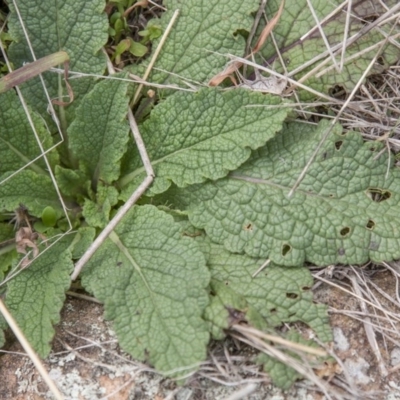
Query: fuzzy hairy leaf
(82,240)
(77,27)
(345,210)
(299,41)
(276,294)
(152,282)
(97,214)
(105,138)
(191,137)
(36,296)
(201,31)
(18,143)
(34,191)
(72,183)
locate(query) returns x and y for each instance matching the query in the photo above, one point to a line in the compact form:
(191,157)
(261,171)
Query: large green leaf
(299,41)
(152,282)
(18,145)
(202,30)
(77,27)
(191,137)
(36,296)
(345,210)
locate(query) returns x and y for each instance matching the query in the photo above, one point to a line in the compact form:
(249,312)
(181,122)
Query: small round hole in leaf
(378,195)
(272,310)
(345,231)
(341,251)
(338,144)
(370,224)
(286,249)
(292,295)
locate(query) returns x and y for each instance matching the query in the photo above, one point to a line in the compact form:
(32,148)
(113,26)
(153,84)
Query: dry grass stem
(368,329)
(155,55)
(28,348)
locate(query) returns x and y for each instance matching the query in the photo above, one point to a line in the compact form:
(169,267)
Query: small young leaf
(345,210)
(36,296)
(152,282)
(137,49)
(191,137)
(105,138)
(97,214)
(49,216)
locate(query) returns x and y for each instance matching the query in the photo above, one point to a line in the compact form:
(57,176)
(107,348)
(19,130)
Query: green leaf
(345,210)
(32,190)
(82,240)
(299,41)
(36,296)
(201,31)
(49,217)
(97,214)
(105,138)
(18,144)
(72,183)
(152,282)
(276,294)
(228,307)
(80,29)
(191,137)
(3,327)
(137,49)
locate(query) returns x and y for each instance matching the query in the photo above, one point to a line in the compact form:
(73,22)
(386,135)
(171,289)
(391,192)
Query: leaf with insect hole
(345,210)
(266,300)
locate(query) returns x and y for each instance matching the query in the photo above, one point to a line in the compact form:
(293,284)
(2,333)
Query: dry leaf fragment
(26,238)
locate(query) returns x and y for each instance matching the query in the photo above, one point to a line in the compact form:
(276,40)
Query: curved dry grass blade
(32,355)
